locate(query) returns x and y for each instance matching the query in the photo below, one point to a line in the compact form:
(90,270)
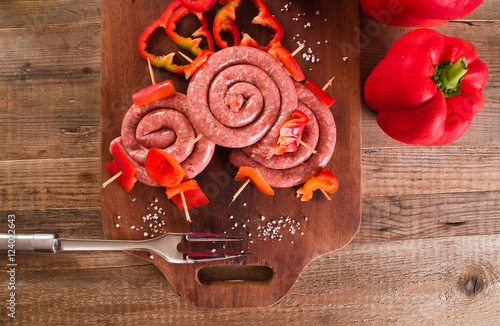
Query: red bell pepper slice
(325,180)
(224,22)
(256,178)
(188,43)
(193,195)
(161,61)
(198,5)
(154,93)
(163,168)
(121,163)
(285,58)
(290,132)
(197,63)
(264,18)
(323,96)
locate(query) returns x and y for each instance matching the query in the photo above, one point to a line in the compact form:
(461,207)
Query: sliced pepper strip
(323,96)
(193,195)
(197,63)
(188,43)
(224,22)
(325,180)
(121,163)
(198,5)
(285,58)
(163,168)
(154,93)
(265,19)
(290,132)
(161,61)
(256,178)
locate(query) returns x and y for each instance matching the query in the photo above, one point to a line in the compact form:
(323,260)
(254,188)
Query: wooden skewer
(326,194)
(200,136)
(329,83)
(307,146)
(151,73)
(113,178)
(298,50)
(186,211)
(185,56)
(240,190)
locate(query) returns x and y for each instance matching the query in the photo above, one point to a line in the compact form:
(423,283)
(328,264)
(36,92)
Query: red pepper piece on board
(265,19)
(224,22)
(323,96)
(290,132)
(122,164)
(325,180)
(285,58)
(421,13)
(256,178)
(197,63)
(198,5)
(428,88)
(154,93)
(163,168)
(188,43)
(193,195)
(160,61)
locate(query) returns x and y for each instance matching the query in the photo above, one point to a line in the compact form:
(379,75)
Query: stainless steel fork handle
(51,243)
(29,242)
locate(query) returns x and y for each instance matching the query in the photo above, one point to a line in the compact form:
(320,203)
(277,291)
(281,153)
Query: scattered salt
(345,58)
(118,217)
(145,234)
(117,225)
(317,12)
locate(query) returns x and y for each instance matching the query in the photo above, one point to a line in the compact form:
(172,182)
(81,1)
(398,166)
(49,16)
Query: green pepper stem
(448,76)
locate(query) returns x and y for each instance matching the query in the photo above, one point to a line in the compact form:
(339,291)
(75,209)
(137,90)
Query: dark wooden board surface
(307,230)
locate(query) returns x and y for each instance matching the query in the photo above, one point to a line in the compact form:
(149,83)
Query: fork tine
(202,237)
(213,257)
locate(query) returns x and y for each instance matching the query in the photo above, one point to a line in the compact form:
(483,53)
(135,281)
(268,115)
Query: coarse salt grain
(117,225)
(317,12)
(118,217)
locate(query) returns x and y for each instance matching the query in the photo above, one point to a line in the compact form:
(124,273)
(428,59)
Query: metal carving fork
(164,246)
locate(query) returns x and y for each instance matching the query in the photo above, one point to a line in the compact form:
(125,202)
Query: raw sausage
(164,124)
(215,99)
(289,177)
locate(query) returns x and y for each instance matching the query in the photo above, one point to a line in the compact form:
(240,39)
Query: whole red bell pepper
(428,88)
(417,13)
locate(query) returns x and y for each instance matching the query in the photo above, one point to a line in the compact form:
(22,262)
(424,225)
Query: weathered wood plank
(446,281)
(429,216)
(418,170)
(20,14)
(61,183)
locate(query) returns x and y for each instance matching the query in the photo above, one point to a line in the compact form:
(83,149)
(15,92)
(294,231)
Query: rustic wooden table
(428,250)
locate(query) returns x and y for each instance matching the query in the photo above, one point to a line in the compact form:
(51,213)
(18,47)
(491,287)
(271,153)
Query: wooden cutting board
(287,233)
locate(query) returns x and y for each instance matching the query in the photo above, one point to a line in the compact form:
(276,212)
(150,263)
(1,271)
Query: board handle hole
(235,274)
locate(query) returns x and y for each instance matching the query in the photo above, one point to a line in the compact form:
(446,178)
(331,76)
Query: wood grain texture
(421,254)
